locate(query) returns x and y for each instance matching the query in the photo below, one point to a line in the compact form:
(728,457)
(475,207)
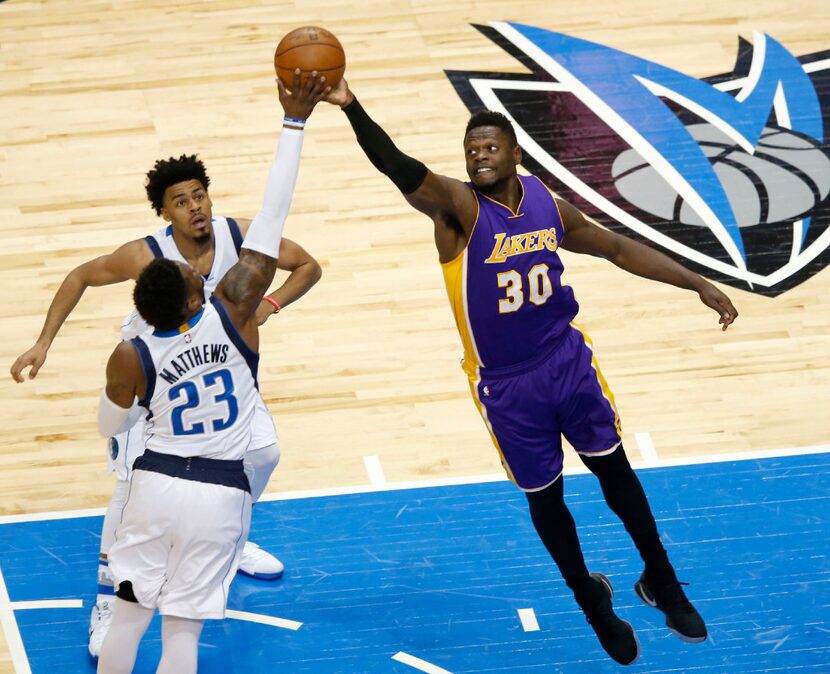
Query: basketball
(309,48)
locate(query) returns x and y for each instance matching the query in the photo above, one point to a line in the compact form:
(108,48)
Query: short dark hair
(160,294)
(167,172)
(491,118)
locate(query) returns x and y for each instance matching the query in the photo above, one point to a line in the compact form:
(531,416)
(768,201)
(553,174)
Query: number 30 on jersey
(539,288)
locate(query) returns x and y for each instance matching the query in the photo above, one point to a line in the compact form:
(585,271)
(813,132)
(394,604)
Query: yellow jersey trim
(513,214)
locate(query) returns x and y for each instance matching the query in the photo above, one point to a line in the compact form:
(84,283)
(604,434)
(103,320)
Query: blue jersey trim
(169,230)
(155,249)
(184,327)
(250,356)
(236,234)
(149,373)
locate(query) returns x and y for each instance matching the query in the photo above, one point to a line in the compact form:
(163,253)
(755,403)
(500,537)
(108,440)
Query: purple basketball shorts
(529,407)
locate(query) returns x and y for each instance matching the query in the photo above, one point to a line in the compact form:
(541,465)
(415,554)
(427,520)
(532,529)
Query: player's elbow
(315,272)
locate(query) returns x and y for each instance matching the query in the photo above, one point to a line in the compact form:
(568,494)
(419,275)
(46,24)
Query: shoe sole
(641,591)
(602,578)
(262,576)
(610,590)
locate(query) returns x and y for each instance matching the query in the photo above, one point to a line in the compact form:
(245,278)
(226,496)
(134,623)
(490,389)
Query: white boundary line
(263,619)
(454,481)
(47,603)
(528,618)
(17,652)
(647,449)
(417,663)
(374,469)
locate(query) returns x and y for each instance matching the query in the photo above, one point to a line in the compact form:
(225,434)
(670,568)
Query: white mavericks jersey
(201,387)
(128,446)
(227,244)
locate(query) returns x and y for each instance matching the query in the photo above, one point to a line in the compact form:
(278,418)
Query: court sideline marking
(452,481)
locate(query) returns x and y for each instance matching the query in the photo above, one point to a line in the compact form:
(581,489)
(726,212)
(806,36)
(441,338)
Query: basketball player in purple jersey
(532,372)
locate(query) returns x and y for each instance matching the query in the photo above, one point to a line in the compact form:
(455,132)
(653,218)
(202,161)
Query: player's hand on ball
(714,298)
(340,94)
(300,101)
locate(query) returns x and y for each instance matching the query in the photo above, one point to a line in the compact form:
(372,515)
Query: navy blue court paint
(440,573)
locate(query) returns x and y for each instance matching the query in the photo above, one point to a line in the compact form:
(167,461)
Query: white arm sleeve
(265,232)
(114,419)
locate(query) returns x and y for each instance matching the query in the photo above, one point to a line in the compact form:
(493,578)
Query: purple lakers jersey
(506,288)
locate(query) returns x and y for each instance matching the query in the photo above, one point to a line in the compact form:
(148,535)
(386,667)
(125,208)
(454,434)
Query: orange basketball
(309,48)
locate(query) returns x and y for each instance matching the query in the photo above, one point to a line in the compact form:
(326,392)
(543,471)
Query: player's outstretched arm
(447,201)
(124,263)
(583,236)
(243,286)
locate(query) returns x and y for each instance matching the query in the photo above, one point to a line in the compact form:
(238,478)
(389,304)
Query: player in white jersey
(177,189)
(182,529)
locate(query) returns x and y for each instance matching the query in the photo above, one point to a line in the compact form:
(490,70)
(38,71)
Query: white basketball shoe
(99,625)
(259,564)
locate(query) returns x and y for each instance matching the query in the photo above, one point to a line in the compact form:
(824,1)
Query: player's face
(491,157)
(187,206)
(195,285)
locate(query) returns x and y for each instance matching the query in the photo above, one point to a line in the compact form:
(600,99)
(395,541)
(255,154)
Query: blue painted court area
(440,573)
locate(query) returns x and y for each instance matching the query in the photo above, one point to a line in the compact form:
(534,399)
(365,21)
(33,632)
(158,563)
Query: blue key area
(440,573)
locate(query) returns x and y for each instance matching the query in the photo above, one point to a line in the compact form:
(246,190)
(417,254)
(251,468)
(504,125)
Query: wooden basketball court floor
(362,374)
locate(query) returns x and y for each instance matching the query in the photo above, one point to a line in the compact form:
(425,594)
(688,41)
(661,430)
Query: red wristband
(273,303)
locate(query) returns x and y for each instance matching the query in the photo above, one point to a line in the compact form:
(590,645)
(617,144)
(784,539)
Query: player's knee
(125,591)
(613,464)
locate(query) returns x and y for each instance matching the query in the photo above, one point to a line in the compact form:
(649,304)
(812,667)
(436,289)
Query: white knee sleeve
(129,623)
(259,464)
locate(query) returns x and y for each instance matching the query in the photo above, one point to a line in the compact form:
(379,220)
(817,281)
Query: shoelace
(674,596)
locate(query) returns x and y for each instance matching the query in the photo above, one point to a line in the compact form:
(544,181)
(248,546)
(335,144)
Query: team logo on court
(729,174)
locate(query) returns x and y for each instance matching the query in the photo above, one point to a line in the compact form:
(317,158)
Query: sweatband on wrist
(273,303)
(406,173)
(293,122)
(114,419)
(265,232)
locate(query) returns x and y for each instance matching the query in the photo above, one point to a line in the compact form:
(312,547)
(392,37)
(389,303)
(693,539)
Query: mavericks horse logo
(728,174)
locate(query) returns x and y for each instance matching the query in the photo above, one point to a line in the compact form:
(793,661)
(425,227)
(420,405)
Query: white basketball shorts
(179,543)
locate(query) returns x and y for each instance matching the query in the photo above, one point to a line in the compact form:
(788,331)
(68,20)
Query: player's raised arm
(124,263)
(583,236)
(447,201)
(245,283)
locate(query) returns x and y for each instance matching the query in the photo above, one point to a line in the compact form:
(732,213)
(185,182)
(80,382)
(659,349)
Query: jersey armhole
(149,369)
(236,234)
(472,231)
(153,245)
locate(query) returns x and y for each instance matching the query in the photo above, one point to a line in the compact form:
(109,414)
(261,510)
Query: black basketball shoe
(681,617)
(616,636)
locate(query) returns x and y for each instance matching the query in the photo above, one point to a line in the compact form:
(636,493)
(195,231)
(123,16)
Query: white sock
(129,623)
(106,591)
(179,645)
(259,465)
